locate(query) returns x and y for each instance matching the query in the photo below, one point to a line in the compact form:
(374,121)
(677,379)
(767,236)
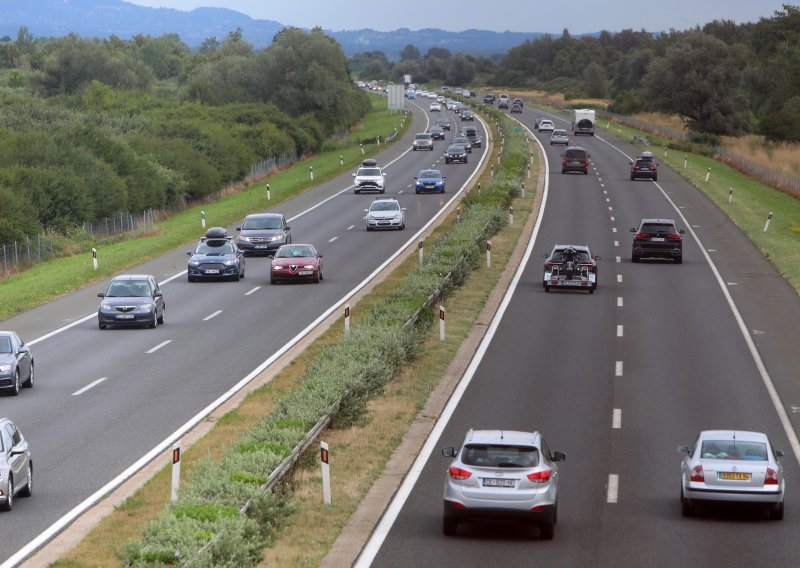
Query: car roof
(509,437)
(132,276)
(741,435)
(659,221)
(263,215)
(576,247)
(384,199)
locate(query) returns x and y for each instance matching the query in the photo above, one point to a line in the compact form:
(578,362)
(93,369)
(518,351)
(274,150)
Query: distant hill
(103,18)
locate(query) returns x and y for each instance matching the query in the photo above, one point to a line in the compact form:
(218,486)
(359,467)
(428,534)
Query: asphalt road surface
(659,344)
(103,399)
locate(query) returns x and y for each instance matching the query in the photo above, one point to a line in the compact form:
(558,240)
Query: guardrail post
(665,150)
(94,259)
(203,219)
(269,194)
(769,218)
(441,323)
(347,318)
(730,196)
(488,254)
(324,459)
(176,470)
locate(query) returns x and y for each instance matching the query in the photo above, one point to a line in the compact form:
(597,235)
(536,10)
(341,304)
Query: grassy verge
(99,549)
(51,279)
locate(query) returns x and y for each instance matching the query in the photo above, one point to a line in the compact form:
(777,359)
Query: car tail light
(458,473)
(540,476)
(771,478)
(697,474)
(640,236)
(674,236)
(538,508)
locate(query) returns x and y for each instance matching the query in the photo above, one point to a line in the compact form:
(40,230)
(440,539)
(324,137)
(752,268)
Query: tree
(410,53)
(461,70)
(700,79)
(438,53)
(594,81)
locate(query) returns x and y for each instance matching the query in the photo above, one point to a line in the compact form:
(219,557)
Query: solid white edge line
(215,314)
(783,417)
(86,388)
(159,346)
(375,542)
(90,501)
(616,419)
(612,495)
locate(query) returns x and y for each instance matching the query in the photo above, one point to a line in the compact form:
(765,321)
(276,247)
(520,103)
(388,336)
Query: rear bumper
(645,251)
(544,514)
(723,496)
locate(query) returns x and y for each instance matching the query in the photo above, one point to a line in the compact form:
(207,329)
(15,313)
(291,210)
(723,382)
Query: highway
(104,399)
(618,380)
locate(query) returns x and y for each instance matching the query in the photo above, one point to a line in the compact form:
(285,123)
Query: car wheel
(356,191)
(15,385)
(236,276)
(546,287)
(687,509)
(776,512)
(417,191)
(321,275)
(634,258)
(383,191)
(414,149)
(563,171)
(633,178)
(29,383)
(449,526)
(465,160)
(101,325)
(27,491)
(446,161)
(316,279)
(273,281)
(161,319)
(591,289)
(655,178)
(8,503)
(154,322)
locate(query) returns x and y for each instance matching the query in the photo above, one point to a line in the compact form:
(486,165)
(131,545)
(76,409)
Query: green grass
(56,277)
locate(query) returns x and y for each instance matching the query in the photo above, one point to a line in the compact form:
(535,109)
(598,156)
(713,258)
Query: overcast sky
(579,16)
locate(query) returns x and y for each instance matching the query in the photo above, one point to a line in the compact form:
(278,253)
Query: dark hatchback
(436,132)
(455,153)
(575,159)
(657,238)
(16,364)
(444,123)
(216,257)
(471,134)
(467,115)
(131,300)
(263,233)
(644,167)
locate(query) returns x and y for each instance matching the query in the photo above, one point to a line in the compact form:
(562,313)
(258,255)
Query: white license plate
(657,239)
(261,246)
(306,272)
(491,482)
(125,316)
(212,271)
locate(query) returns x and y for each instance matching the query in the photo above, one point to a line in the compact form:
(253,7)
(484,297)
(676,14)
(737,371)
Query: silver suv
(502,474)
(369,177)
(422,141)
(16,466)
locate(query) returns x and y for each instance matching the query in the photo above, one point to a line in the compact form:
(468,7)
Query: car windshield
(461,141)
(369,171)
(500,456)
(385,206)
(428,174)
(259,223)
(295,252)
(436,129)
(5,344)
(128,289)
(422,136)
(214,248)
(455,149)
(658,228)
(580,255)
(733,450)
(559,133)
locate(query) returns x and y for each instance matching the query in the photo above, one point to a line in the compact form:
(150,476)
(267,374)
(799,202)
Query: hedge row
(205,528)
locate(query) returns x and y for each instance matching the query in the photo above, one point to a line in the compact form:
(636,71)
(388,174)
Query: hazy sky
(579,16)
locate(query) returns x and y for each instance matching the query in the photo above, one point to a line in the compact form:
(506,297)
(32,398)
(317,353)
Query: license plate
(734,476)
(306,272)
(261,246)
(212,271)
(491,482)
(125,316)
(657,239)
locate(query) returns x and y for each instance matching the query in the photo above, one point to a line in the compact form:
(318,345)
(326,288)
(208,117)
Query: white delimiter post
(441,323)
(269,194)
(421,252)
(324,458)
(488,254)
(94,258)
(203,219)
(347,318)
(176,469)
(769,218)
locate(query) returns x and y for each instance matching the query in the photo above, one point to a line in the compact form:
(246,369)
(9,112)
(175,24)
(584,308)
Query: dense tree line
(92,127)
(722,79)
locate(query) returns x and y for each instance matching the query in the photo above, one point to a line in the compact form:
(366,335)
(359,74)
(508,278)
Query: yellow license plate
(734,476)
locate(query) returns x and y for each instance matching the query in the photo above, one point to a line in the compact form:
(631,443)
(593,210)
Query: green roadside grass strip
(48,280)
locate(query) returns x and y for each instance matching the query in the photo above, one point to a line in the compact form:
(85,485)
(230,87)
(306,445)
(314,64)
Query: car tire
(635,258)
(417,191)
(414,148)
(15,385)
(776,512)
(29,383)
(547,287)
(27,491)
(655,178)
(563,171)
(101,325)
(190,279)
(591,289)
(161,319)
(321,275)
(449,526)
(273,281)
(8,503)
(316,279)
(687,508)
(356,191)
(154,323)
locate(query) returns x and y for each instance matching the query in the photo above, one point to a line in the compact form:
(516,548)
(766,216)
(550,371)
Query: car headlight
(106,306)
(397,217)
(194,263)
(278,238)
(309,266)
(231,262)
(5,368)
(277,267)
(243,238)
(147,306)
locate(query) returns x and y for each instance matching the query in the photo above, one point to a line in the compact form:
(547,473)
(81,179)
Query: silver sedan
(16,466)
(732,466)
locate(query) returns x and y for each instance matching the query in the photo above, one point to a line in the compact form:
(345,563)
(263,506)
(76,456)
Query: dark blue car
(215,257)
(430,180)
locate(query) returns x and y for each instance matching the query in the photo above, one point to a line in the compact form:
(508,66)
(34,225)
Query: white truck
(584,121)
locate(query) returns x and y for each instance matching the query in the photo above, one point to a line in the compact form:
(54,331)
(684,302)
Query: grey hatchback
(502,474)
(16,363)
(131,299)
(16,466)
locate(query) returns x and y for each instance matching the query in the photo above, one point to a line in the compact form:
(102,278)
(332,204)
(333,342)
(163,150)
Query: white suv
(422,141)
(369,177)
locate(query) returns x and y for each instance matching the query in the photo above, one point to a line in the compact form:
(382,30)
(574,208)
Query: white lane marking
(333,239)
(400,192)
(616,419)
(215,314)
(618,369)
(619,278)
(712,250)
(351,227)
(608,200)
(613,229)
(159,346)
(612,218)
(605,192)
(619,259)
(619,330)
(620,302)
(613,488)
(610,208)
(409,185)
(90,385)
(732,283)
(616,243)
(253,291)
(372,547)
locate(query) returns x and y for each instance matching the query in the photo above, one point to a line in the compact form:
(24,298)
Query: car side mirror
(402,209)
(545,255)
(444,177)
(366,210)
(24,349)
(596,257)
(415,177)
(559,456)
(320,255)
(189,252)
(632,229)
(684,449)
(449,452)
(158,295)
(18,450)
(682,232)
(101,295)
(287,228)
(779,453)
(354,175)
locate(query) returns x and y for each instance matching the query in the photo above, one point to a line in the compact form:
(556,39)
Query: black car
(16,364)
(488,98)
(444,123)
(515,108)
(263,233)
(463,141)
(436,132)
(657,238)
(131,299)
(517,102)
(471,134)
(644,166)
(467,115)
(215,257)
(455,153)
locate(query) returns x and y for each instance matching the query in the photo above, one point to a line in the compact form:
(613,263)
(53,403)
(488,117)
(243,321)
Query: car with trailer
(131,300)
(216,257)
(16,364)
(296,263)
(369,177)
(385,213)
(570,267)
(263,233)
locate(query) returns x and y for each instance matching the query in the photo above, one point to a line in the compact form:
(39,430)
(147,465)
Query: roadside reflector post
(491,171)
(311,172)
(708,174)
(479,188)
(511,215)
(94,258)
(665,150)
(176,470)
(488,254)
(324,462)
(421,247)
(362,148)
(441,323)
(769,218)
(730,196)
(529,172)
(522,190)
(378,140)
(269,194)
(458,213)
(347,318)
(498,156)
(203,219)
(685,161)
(341,160)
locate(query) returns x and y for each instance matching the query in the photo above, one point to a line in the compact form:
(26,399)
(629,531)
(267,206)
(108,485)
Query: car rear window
(652,228)
(733,450)
(500,456)
(576,154)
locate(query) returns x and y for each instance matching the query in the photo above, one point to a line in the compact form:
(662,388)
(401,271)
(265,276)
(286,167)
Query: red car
(296,263)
